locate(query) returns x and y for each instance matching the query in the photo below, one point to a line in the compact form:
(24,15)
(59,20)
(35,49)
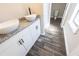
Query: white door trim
(65,14)
(46,16)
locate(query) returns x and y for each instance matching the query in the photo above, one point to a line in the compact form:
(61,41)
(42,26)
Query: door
(35,30)
(26,38)
(71,30)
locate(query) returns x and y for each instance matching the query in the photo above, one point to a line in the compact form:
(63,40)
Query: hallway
(52,43)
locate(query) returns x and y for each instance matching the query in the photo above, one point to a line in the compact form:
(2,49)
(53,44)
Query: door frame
(47,13)
(45,22)
(65,14)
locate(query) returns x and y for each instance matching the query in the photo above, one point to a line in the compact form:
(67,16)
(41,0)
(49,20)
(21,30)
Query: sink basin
(8,26)
(30,17)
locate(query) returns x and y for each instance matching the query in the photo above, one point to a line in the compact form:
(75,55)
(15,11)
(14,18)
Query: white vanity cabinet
(21,43)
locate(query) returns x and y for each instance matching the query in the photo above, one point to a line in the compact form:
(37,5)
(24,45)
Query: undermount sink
(8,26)
(30,17)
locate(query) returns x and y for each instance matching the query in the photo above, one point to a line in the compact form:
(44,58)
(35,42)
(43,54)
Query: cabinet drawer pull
(22,40)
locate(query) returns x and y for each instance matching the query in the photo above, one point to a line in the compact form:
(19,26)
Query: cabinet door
(36,30)
(27,39)
(13,48)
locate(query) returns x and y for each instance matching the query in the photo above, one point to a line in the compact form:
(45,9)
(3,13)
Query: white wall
(71,39)
(16,10)
(10,11)
(58,6)
(35,7)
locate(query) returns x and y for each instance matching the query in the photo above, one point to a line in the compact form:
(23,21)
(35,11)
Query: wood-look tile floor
(50,44)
